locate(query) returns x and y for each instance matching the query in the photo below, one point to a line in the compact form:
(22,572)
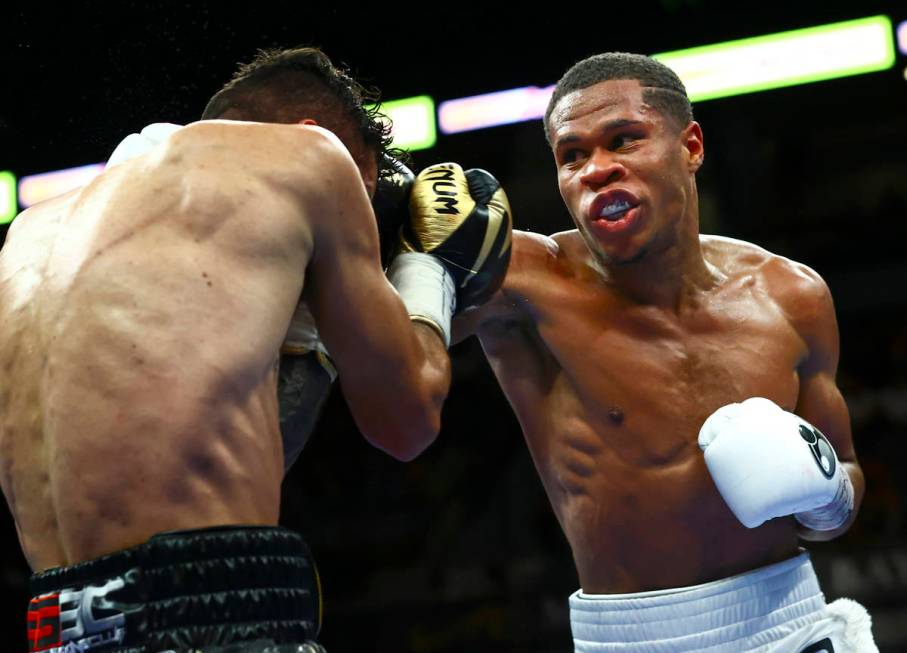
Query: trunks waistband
(771,600)
(180,590)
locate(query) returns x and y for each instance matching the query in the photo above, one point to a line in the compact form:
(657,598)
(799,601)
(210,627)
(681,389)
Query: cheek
(671,181)
(567,186)
(562,188)
(571,200)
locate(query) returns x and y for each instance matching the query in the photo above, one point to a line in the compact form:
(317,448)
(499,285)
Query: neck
(668,275)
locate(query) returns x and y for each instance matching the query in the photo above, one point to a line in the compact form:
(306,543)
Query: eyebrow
(608,126)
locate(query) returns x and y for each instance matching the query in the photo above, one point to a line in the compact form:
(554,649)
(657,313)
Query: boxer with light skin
(143,318)
(615,343)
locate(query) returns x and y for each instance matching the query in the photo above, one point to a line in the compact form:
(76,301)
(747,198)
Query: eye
(571,156)
(623,140)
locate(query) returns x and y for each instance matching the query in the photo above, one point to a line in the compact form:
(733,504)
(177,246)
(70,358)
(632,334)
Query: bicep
(822,404)
(503,306)
(820,400)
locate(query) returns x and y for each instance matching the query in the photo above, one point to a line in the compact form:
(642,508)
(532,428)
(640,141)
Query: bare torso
(141,322)
(611,395)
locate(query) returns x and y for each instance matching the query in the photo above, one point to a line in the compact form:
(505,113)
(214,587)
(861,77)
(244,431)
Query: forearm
(431,382)
(399,412)
(396,401)
(447,261)
(855,473)
(435,371)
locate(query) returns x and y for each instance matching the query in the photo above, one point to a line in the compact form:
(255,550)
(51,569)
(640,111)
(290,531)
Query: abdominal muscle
(642,524)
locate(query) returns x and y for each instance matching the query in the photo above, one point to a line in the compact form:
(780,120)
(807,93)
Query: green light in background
(414,122)
(8,204)
(789,58)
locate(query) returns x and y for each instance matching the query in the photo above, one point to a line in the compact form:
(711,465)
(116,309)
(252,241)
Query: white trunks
(776,609)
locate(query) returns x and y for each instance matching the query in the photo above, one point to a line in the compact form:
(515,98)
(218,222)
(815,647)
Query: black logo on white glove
(821,449)
(825,646)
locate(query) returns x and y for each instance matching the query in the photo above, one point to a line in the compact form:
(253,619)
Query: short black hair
(285,86)
(662,87)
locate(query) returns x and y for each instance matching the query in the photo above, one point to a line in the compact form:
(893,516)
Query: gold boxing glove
(462,219)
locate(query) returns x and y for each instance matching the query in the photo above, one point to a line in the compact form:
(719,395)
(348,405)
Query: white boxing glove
(768,463)
(136,144)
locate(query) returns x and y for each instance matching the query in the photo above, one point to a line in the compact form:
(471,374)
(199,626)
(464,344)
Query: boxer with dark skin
(615,341)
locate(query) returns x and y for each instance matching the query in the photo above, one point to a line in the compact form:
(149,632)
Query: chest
(666,366)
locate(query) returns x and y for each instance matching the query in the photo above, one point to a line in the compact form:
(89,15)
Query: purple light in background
(37,188)
(902,37)
(493,109)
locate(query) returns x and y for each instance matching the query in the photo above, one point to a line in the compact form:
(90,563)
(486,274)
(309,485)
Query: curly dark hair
(285,86)
(662,87)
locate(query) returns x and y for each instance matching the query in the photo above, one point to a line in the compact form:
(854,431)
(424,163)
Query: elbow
(411,437)
(408,423)
(409,432)
(404,454)
(422,423)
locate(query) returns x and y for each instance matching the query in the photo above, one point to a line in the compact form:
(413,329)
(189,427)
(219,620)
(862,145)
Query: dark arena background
(459,550)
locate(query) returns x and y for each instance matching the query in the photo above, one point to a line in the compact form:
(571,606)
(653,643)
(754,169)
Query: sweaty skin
(614,345)
(142,318)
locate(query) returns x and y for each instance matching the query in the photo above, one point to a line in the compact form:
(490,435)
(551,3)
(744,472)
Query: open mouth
(612,205)
(614,211)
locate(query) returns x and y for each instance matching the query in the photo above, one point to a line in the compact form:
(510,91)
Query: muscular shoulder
(259,147)
(806,301)
(531,253)
(536,259)
(277,169)
(244,134)
(536,256)
(735,257)
(798,290)
(796,287)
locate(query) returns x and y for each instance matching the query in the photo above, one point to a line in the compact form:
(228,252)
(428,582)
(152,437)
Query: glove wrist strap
(833,515)
(426,288)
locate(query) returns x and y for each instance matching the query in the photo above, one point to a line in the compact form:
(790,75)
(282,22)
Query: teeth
(613,209)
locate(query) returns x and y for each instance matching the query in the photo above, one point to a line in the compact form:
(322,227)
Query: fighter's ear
(691,138)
